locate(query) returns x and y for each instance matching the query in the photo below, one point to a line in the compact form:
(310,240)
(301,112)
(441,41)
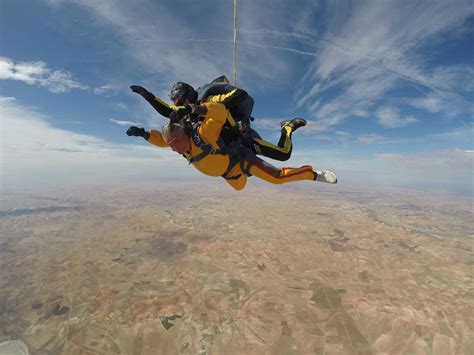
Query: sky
(386,86)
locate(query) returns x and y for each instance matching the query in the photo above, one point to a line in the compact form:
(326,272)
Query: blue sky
(386,86)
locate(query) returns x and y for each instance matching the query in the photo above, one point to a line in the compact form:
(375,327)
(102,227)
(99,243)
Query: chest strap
(206,148)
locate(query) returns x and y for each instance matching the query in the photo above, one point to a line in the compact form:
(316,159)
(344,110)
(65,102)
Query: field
(170,268)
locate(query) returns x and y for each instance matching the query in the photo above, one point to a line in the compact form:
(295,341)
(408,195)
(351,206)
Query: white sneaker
(325,176)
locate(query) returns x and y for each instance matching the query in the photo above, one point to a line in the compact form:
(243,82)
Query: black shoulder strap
(206,148)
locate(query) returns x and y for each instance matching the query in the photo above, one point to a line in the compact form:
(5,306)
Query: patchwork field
(170,268)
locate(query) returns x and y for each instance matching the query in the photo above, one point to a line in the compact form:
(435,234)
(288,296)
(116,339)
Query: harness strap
(246,170)
(233,162)
(206,148)
(245,155)
(237,153)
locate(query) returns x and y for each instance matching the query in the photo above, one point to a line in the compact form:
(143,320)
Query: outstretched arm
(152,136)
(156,138)
(159,105)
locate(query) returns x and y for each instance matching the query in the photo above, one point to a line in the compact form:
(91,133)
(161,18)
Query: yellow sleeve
(165,104)
(211,126)
(156,138)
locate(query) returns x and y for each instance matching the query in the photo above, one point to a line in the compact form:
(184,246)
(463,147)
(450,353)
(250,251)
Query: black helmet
(183,91)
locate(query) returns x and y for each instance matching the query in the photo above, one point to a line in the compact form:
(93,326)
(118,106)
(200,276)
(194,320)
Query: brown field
(178,268)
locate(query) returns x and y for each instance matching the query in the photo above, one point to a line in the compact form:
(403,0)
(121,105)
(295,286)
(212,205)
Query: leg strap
(242,155)
(246,170)
(233,162)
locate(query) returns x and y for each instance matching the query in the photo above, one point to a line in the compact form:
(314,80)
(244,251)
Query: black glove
(140,90)
(138,132)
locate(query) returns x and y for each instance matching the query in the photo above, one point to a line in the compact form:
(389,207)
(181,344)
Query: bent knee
(238,187)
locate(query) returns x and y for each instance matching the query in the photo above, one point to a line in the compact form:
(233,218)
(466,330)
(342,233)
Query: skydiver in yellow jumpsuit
(200,147)
(182,94)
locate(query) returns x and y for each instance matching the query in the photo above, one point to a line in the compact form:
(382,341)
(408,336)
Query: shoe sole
(331,175)
(294,123)
(298,122)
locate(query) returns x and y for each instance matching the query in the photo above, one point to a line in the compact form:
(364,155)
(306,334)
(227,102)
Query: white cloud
(369,138)
(457,134)
(445,167)
(38,73)
(268,123)
(361,50)
(169,47)
(340,137)
(155,37)
(121,106)
(342,134)
(125,123)
(446,102)
(104,89)
(431,102)
(376,47)
(34,152)
(324,124)
(273,124)
(389,117)
(432,170)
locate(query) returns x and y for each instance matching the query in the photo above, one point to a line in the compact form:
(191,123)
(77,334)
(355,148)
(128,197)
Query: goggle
(178,98)
(178,101)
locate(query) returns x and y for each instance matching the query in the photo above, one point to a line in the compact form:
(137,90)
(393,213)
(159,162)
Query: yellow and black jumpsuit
(281,151)
(217,164)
